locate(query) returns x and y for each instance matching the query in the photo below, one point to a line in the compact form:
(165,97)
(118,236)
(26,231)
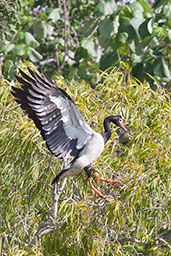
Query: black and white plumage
(62,126)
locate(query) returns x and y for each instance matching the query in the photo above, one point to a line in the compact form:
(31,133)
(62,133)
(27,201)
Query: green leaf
(106,8)
(161,69)
(8,64)
(116,13)
(39,29)
(135,23)
(137,9)
(169,35)
(125,26)
(136,58)
(109,59)
(106,28)
(19,49)
(80,53)
(103,42)
(146,28)
(89,27)
(122,37)
(145,5)
(8,48)
(137,71)
(160,32)
(83,73)
(167,10)
(34,55)
(30,40)
(1,46)
(10,67)
(54,15)
(59,41)
(88,44)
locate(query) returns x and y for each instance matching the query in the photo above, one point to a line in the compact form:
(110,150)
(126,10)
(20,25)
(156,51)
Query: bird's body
(91,152)
(62,126)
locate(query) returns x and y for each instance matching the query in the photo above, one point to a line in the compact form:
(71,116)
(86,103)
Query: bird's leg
(110,181)
(88,171)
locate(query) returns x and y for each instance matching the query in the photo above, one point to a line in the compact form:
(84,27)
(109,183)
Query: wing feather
(55,114)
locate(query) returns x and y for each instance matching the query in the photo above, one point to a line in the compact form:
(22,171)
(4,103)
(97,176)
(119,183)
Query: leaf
(40,29)
(122,37)
(8,47)
(80,53)
(145,5)
(83,73)
(137,9)
(88,44)
(89,27)
(30,40)
(135,23)
(54,15)
(146,28)
(169,35)
(59,41)
(106,8)
(167,10)
(161,69)
(116,13)
(1,46)
(19,49)
(34,55)
(8,64)
(109,59)
(106,28)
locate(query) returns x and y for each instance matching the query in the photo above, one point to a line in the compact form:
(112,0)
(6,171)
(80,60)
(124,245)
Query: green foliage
(78,38)
(139,208)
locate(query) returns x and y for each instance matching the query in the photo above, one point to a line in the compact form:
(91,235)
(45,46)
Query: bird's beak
(121,125)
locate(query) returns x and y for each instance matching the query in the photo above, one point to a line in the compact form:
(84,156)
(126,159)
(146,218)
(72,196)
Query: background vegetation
(139,209)
(78,40)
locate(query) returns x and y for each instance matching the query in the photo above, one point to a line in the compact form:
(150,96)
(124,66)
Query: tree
(78,39)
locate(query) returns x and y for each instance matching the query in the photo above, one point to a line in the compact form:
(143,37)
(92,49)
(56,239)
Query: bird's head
(118,120)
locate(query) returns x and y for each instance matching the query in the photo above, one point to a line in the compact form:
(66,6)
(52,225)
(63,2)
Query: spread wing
(54,113)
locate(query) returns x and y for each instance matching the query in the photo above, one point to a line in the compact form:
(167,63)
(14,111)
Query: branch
(46,227)
(134,240)
(129,239)
(157,239)
(66,21)
(66,29)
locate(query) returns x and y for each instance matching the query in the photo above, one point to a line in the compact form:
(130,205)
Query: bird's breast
(91,151)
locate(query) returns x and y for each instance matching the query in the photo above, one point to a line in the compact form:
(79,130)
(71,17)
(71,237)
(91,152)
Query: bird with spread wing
(62,126)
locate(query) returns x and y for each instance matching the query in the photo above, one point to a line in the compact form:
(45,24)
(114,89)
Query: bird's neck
(107,130)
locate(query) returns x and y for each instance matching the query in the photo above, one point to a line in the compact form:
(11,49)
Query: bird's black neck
(107,133)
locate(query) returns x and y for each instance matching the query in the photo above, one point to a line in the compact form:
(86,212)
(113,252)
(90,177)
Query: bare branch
(129,239)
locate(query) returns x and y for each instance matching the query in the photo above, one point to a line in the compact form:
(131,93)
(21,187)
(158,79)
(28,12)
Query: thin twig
(57,193)
(129,239)
(66,21)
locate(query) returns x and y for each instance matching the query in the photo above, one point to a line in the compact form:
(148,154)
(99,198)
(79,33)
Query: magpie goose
(62,126)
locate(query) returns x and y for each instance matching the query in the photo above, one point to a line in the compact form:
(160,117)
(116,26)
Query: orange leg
(106,180)
(94,189)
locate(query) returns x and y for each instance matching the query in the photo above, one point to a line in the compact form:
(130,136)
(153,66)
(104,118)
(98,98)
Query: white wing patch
(75,125)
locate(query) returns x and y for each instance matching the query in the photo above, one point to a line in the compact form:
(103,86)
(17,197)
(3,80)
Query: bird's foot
(106,197)
(110,181)
(96,190)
